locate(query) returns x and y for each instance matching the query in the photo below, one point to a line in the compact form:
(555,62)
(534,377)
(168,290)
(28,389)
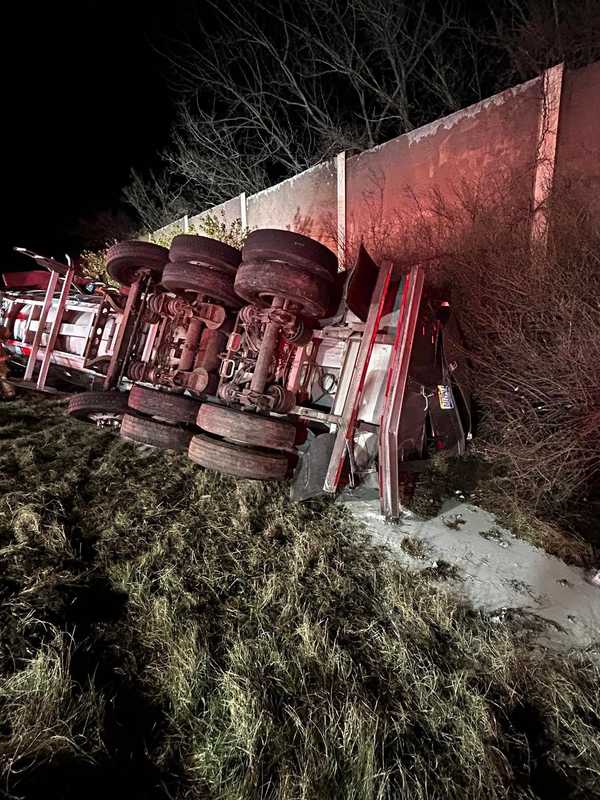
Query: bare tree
(266,93)
(157,197)
(536,34)
(293,86)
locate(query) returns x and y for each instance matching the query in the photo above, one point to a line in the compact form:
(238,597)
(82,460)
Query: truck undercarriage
(265,363)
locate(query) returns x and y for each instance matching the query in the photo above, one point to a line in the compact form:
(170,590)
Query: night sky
(84,99)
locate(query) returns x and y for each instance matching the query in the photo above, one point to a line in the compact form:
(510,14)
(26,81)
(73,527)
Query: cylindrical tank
(74,330)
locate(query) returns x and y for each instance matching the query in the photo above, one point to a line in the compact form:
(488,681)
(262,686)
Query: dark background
(84,99)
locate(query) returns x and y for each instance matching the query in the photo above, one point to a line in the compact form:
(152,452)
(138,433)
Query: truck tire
(125,260)
(164,405)
(205,252)
(156,434)
(237,460)
(270,244)
(259,281)
(85,405)
(246,427)
(183,276)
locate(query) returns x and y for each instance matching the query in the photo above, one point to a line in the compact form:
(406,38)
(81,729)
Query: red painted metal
(55,328)
(53,280)
(25,351)
(394,393)
(349,414)
(32,279)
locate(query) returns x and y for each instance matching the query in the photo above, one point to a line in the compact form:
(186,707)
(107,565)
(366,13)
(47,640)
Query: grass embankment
(170,633)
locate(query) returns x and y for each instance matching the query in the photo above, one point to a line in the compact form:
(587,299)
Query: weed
(531,328)
(416,548)
(495,535)
(442,570)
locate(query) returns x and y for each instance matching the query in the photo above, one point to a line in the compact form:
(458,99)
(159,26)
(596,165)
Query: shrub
(218,228)
(93,264)
(530,318)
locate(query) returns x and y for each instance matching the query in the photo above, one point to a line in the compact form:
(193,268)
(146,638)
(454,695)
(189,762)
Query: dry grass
(198,637)
(529,320)
(49,717)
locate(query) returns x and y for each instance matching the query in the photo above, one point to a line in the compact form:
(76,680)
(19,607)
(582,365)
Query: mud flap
(411,431)
(361,284)
(311,469)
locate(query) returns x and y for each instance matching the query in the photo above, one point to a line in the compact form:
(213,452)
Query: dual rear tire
(126,260)
(272,263)
(244,445)
(238,460)
(232,442)
(143,430)
(159,419)
(241,444)
(202,266)
(289,266)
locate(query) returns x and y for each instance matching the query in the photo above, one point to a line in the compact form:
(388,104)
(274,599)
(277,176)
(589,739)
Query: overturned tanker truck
(266,363)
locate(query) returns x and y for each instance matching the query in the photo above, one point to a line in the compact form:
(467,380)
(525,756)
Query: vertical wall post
(552,81)
(186,223)
(341,207)
(243,211)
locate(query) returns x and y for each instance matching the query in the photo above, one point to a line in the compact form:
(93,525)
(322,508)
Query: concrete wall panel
(227,213)
(487,148)
(578,146)
(474,149)
(305,204)
(165,234)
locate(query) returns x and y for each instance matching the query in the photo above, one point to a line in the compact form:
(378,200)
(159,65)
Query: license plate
(445,397)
